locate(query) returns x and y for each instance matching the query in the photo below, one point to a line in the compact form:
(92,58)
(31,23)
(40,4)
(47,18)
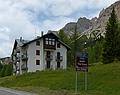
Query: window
(58,44)
(37,43)
(48,64)
(58,64)
(37,62)
(49,41)
(58,55)
(46,41)
(53,41)
(37,52)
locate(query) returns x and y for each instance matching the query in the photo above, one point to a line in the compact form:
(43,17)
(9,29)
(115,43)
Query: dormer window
(38,43)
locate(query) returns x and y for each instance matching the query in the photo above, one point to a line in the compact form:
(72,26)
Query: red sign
(82,63)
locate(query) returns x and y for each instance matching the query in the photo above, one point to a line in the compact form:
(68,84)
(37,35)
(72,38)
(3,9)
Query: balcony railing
(17,50)
(17,59)
(24,57)
(24,67)
(49,58)
(59,58)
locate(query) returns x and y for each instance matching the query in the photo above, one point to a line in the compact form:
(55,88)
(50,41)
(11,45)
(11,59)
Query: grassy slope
(102,80)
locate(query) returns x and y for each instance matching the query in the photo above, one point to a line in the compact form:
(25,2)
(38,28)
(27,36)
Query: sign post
(76,88)
(82,65)
(85,81)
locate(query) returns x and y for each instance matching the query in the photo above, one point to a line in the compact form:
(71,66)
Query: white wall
(63,52)
(32,57)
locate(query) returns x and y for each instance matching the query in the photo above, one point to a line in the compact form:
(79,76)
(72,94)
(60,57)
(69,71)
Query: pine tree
(110,47)
(8,70)
(3,71)
(1,66)
(63,37)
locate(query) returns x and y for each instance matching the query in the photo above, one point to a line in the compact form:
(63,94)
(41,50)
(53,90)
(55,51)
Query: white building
(45,52)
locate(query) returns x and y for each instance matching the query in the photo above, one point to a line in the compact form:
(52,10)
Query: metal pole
(76,88)
(85,80)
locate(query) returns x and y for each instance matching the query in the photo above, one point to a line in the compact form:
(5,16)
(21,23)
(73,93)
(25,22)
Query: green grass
(102,80)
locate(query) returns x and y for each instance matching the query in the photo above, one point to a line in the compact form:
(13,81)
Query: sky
(27,18)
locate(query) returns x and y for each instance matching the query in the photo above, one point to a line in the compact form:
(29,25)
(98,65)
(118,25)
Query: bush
(3,71)
(6,70)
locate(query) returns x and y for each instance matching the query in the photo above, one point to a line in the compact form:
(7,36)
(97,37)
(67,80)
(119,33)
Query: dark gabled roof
(17,41)
(22,41)
(46,35)
(4,58)
(64,44)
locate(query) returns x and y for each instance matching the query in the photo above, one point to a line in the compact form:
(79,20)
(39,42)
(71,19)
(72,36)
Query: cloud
(25,17)
(55,24)
(65,7)
(14,24)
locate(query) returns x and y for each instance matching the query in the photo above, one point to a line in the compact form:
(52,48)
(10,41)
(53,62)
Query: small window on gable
(49,41)
(38,43)
(53,42)
(37,52)
(46,41)
(37,62)
(58,44)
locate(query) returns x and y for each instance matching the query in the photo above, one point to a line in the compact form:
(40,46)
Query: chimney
(38,36)
(20,39)
(41,33)
(49,31)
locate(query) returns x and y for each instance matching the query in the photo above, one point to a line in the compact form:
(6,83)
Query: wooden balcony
(24,57)
(24,67)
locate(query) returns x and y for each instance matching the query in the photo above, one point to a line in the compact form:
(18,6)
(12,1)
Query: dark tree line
(77,44)
(111,47)
(5,70)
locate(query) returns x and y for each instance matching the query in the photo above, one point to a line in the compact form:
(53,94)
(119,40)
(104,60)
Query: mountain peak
(85,24)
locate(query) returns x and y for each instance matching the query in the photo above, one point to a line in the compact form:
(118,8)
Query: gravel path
(7,91)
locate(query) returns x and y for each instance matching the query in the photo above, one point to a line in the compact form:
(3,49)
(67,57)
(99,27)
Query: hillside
(102,80)
(96,23)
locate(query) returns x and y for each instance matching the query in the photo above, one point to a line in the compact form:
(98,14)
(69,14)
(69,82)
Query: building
(45,52)
(6,60)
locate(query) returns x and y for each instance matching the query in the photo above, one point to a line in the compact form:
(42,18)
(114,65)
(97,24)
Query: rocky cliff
(82,24)
(89,25)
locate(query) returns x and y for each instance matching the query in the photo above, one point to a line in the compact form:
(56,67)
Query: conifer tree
(3,71)
(111,47)
(8,70)
(63,37)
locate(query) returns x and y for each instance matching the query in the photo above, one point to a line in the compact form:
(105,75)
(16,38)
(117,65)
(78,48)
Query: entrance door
(58,64)
(48,57)
(48,64)
(48,54)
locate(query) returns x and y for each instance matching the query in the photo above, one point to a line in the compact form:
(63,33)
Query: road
(7,91)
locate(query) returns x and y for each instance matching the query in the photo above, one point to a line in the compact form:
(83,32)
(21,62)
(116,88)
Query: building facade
(45,52)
